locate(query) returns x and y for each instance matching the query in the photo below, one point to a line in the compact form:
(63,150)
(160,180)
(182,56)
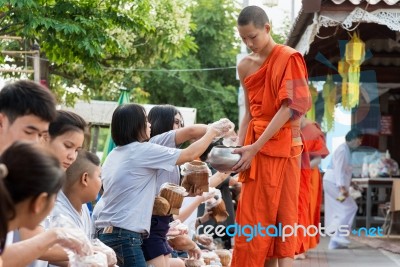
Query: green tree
(90,44)
(212,91)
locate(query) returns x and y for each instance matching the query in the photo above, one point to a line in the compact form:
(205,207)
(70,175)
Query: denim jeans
(127,246)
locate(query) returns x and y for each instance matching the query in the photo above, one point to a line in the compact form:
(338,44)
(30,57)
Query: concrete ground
(357,255)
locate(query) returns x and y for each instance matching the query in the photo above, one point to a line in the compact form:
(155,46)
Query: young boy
(26,110)
(82,186)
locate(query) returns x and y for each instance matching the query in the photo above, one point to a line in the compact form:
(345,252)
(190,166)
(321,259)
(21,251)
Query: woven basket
(219,213)
(224,256)
(175,200)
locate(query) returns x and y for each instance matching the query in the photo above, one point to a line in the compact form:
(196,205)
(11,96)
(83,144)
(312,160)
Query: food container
(224,256)
(174,194)
(195,177)
(217,206)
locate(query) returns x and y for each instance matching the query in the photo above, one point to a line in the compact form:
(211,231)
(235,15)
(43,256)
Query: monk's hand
(247,154)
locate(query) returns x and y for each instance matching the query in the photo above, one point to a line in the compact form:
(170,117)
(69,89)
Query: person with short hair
(129,178)
(340,209)
(82,185)
(26,109)
(274,79)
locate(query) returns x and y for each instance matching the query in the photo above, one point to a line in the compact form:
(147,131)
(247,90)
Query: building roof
(319,36)
(371,2)
(100,112)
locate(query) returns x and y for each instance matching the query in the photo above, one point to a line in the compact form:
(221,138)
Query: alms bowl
(222,159)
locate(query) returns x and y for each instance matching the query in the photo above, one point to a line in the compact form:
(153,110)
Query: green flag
(123,99)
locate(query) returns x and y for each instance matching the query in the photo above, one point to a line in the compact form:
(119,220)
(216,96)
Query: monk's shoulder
(289,51)
(247,65)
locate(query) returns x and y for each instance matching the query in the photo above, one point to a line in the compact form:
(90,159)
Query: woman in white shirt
(129,179)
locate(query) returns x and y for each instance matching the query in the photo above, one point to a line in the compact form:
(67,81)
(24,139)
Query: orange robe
(314,140)
(270,187)
(304,200)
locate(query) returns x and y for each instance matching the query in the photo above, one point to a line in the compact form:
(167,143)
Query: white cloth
(64,207)
(338,213)
(191,220)
(129,181)
(9,238)
(338,174)
(80,220)
(339,170)
(164,176)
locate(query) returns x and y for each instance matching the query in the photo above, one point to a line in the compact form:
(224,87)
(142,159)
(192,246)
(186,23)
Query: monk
(311,182)
(274,79)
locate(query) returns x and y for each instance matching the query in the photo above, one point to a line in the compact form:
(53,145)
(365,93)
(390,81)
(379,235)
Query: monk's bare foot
(301,256)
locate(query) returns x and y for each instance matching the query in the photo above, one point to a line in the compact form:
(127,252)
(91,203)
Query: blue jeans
(127,246)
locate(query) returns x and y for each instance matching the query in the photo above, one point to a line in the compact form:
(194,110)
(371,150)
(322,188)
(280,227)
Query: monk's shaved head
(253,14)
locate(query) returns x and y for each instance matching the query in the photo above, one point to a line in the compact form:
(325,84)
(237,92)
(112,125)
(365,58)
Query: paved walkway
(357,255)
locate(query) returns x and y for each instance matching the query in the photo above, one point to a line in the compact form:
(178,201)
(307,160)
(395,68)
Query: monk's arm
(248,152)
(280,118)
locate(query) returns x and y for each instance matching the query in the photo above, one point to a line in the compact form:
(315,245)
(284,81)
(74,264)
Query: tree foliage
(89,44)
(212,91)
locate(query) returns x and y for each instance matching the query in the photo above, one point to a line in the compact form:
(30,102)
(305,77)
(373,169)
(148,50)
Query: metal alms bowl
(222,159)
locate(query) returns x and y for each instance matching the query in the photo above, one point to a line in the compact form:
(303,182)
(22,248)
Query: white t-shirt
(80,220)
(129,181)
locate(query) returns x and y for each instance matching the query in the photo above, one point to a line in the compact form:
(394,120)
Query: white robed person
(340,208)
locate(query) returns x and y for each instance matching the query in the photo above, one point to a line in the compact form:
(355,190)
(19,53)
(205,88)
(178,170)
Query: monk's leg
(285,246)
(258,205)
(315,204)
(271,263)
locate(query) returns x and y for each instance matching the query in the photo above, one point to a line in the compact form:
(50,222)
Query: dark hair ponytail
(30,171)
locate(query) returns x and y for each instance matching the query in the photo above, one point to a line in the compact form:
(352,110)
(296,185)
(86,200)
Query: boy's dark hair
(162,119)
(66,121)
(128,124)
(84,163)
(253,14)
(25,97)
(353,134)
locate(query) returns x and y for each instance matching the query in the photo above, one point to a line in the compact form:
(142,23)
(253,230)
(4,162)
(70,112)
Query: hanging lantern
(343,68)
(329,95)
(355,52)
(314,96)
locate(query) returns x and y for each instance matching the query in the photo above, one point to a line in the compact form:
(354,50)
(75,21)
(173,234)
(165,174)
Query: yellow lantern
(355,53)
(329,95)
(343,69)
(314,96)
